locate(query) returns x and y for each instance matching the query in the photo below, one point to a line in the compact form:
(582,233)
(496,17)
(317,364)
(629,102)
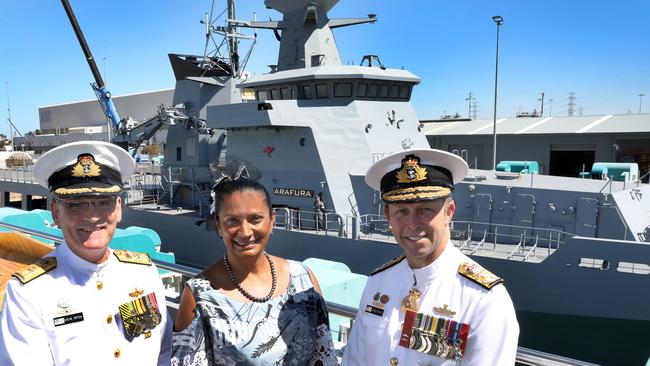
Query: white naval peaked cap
(416,175)
(84,168)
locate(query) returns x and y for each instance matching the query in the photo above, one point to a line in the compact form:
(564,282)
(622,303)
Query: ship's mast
(233,42)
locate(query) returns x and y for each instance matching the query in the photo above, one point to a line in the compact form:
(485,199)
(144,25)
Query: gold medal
(411,301)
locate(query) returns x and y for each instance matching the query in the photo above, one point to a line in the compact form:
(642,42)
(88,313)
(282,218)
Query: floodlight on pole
(498,19)
(640,101)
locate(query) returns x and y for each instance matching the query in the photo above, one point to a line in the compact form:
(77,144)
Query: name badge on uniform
(140,315)
(68,319)
(376,307)
(436,336)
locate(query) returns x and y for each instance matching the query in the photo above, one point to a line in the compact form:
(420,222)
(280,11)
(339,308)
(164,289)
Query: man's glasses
(103,205)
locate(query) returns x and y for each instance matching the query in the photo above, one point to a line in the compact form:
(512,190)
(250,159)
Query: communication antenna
(213,52)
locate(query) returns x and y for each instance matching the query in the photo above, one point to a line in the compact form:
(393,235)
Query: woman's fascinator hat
(241,173)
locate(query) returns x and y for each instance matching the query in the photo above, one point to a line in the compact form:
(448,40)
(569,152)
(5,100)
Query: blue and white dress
(291,329)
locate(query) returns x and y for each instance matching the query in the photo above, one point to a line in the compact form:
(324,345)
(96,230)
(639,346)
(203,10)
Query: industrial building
(563,146)
(85,120)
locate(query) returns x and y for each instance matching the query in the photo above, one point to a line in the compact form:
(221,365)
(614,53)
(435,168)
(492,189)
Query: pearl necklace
(274,280)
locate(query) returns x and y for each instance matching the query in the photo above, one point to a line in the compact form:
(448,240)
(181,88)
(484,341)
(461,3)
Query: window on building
(178,154)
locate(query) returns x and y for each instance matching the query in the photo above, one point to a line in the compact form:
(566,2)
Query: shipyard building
(563,146)
(85,120)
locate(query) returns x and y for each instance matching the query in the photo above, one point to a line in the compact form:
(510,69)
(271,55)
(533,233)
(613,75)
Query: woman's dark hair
(228,186)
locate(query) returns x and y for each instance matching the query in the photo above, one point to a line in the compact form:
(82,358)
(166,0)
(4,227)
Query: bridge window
(261,95)
(306,92)
(362,90)
(321,91)
(372,90)
(284,92)
(383,91)
(394,91)
(404,92)
(342,89)
(275,94)
(637,268)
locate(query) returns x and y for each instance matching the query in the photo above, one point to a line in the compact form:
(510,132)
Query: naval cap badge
(411,170)
(86,167)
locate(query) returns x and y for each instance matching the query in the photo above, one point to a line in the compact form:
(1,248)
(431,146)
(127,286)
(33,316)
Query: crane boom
(103,94)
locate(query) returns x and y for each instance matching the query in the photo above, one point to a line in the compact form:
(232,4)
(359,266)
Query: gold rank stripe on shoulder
(388,264)
(474,272)
(35,270)
(132,257)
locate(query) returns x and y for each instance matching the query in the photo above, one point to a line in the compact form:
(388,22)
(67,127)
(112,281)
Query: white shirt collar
(426,274)
(81,265)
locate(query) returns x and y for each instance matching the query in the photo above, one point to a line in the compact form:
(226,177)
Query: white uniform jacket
(70,315)
(493,328)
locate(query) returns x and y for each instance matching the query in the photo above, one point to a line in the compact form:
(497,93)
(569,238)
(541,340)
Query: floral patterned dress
(291,329)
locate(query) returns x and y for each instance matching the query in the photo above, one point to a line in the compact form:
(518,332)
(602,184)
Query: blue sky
(598,49)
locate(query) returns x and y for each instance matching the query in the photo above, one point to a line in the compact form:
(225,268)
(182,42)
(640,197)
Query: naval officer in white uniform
(84,303)
(433,305)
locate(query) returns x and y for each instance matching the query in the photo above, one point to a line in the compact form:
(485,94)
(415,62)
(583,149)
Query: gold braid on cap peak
(63,191)
(416,193)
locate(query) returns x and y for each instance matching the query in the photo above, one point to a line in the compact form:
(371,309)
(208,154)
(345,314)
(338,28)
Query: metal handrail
(55,238)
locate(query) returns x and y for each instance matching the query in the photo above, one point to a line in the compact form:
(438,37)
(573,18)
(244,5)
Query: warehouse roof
(611,123)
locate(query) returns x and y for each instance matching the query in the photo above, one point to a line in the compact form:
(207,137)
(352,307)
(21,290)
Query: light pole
(640,101)
(550,107)
(498,19)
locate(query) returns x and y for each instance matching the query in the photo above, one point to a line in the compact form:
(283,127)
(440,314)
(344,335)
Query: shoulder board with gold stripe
(474,272)
(127,256)
(388,264)
(35,270)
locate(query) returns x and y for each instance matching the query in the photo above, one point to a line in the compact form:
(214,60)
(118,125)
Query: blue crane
(102,92)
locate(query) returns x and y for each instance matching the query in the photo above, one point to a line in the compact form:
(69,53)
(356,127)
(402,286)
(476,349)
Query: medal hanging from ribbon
(412,300)
(435,336)
(140,315)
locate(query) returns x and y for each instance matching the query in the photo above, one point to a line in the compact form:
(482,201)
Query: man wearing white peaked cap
(85,303)
(433,305)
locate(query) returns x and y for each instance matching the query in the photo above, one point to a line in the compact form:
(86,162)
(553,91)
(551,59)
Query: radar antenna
(213,52)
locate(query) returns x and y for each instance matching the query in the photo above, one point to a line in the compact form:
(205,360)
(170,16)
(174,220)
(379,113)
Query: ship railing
(303,220)
(526,239)
(17,174)
(525,356)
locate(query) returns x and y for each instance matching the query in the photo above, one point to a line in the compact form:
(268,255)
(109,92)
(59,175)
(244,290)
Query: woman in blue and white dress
(250,308)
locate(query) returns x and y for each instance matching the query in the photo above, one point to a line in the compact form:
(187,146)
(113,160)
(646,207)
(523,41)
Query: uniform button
(100,285)
(117,353)
(393,361)
(109,319)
